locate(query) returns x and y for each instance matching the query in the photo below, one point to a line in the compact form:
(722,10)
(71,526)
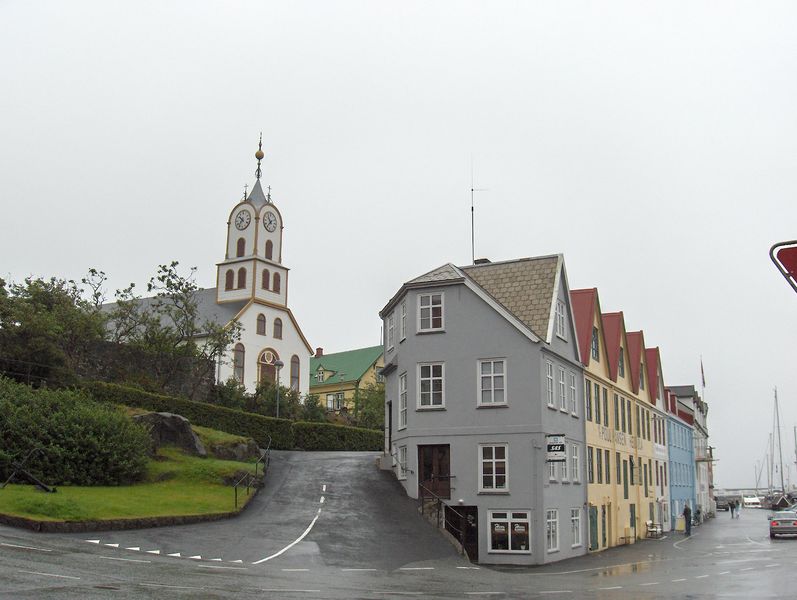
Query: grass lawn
(176,485)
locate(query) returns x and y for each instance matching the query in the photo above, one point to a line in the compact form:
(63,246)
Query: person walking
(732,505)
(688,519)
(738,509)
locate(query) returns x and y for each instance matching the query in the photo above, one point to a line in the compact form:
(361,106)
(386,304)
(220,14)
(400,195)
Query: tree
(47,327)
(369,406)
(312,410)
(169,330)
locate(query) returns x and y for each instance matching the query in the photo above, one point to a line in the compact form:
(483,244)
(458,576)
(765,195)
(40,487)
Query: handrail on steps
(265,459)
(426,493)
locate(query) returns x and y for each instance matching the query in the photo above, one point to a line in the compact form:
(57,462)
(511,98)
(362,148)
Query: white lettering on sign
(556,449)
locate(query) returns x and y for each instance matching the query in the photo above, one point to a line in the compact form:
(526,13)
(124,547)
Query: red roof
(613,326)
(636,342)
(583,302)
(652,360)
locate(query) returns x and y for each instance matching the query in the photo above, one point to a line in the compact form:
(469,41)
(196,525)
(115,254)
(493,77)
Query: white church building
(252,288)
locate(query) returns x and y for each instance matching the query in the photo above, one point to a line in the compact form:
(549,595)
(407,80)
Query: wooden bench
(654,529)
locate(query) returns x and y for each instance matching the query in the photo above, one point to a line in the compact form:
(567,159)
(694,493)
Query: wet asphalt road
(330,525)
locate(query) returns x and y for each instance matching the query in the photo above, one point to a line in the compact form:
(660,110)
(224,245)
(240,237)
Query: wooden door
(593,527)
(434,472)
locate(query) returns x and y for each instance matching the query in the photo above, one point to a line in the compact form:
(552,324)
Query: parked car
(751,502)
(782,522)
(723,503)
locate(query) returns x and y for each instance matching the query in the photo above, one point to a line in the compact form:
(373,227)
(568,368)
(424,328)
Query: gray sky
(653,144)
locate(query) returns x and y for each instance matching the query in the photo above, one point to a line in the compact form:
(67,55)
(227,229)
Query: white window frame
(391,331)
(481,461)
(429,308)
(401,460)
(549,382)
(575,528)
(565,470)
(562,390)
(575,463)
(431,406)
(331,401)
(552,471)
(573,395)
(403,322)
(509,516)
(491,376)
(561,331)
(552,530)
(402,404)
(319,375)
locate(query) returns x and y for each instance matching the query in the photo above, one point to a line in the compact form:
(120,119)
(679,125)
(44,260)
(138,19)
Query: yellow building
(618,422)
(336,378)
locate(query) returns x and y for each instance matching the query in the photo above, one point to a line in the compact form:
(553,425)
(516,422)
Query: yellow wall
(347,387)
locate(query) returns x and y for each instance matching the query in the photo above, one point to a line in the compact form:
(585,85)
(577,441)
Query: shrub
(82,442)
(285,434)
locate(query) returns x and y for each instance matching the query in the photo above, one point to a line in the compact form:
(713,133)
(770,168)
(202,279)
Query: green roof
(345,366)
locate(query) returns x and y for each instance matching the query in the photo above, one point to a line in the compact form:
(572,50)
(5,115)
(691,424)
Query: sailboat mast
(780,448)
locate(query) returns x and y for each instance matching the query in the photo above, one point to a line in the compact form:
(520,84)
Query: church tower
(252,267)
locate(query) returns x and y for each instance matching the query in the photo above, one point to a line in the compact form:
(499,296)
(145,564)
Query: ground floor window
(552,530)
(402,462)
(509,531)
(575,526)
(335,401)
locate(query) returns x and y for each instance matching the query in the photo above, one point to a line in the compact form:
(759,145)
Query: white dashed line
(239,561)
(197,557)
(135,560)
(175,555)
(322,499)
(112,545)
(24,547)
(614,587)
(678,580)
(747,569)
(295,570)
(153,551)
(49,574)
(650,583)
(93,541)
(324,488)
(221,567)
(134,548)
(289,590)
(487,593)
(724,573)
(557,592)
(174,587)
(416,569)
(773,565)
(473,568)
(701,576)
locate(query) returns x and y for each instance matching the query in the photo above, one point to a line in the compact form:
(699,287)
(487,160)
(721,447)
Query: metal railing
(247,479)
(440,504)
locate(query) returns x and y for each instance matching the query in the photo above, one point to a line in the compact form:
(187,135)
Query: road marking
(324,488)
(473,568)
(416,569)
(295,570)
(686,539)
(49,574)
(752,541)
(175,555)
(393,593)
(25,547)
(350,570)
(93,541)
(175,587)
(239,561)
(153,551)
(724,573)
(559,591)
(216,560)
(293,543)
(747,569)
(322,499)
(221,567)
(650,583)
(678,580)
(488,593)
(136,548)
(288,590)
(773,565)
(112,545)
(197,557)
(701,576)
(614,587)
(136,560)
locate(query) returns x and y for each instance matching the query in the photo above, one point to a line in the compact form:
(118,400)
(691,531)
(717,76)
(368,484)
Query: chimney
(319,352)
(482,261)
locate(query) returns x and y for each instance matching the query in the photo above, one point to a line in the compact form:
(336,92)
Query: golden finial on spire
(259,155)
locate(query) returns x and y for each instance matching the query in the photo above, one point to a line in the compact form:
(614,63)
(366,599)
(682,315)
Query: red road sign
(784,255)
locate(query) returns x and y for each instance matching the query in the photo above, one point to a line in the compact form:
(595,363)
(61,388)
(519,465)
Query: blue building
(680,445)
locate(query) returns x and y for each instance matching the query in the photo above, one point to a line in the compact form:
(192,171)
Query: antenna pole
(472,229)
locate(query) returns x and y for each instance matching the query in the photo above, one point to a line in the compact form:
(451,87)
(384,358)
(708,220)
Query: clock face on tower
(242,219)
(270,221)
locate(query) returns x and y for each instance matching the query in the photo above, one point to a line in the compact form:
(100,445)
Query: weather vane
(259,155)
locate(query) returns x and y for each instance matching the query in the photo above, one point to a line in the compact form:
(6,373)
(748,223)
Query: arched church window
(266,371)
(229,279)
(261,324)
(241,248)
(265,279)
(238,356)
(295,373)
(278,329)
(276,286)
(241,278)
(269,249)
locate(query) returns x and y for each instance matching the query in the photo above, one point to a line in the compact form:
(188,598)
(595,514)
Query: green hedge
(285,434)
(81,442)
(326,436)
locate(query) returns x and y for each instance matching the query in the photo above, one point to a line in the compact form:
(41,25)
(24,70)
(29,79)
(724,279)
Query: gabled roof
(636,342)
(526,287)
(653,363)
(348,366)
(447,272)
(584,303)
(613,327)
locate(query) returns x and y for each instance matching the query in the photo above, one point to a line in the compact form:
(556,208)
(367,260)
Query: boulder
(242,452)
(171,429)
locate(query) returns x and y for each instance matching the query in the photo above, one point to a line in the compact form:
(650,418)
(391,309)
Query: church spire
(259,155)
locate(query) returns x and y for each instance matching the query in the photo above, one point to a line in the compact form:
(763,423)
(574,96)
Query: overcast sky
(652,143)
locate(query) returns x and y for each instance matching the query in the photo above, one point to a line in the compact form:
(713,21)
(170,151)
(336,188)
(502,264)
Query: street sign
(556,448)
(784,255)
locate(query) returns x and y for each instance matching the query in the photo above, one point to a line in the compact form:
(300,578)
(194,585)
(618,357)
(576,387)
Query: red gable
(613,333)
(636,342)
(652,359)
(583,302)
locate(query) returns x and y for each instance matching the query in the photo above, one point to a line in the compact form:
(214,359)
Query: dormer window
(319,375)
(560,319)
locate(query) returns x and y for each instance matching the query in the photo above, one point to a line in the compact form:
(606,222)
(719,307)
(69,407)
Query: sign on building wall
(556,448)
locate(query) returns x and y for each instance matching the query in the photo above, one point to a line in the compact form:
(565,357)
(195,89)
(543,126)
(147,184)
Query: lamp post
(278,364)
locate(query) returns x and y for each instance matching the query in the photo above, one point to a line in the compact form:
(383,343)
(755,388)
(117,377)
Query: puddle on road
(632,568)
